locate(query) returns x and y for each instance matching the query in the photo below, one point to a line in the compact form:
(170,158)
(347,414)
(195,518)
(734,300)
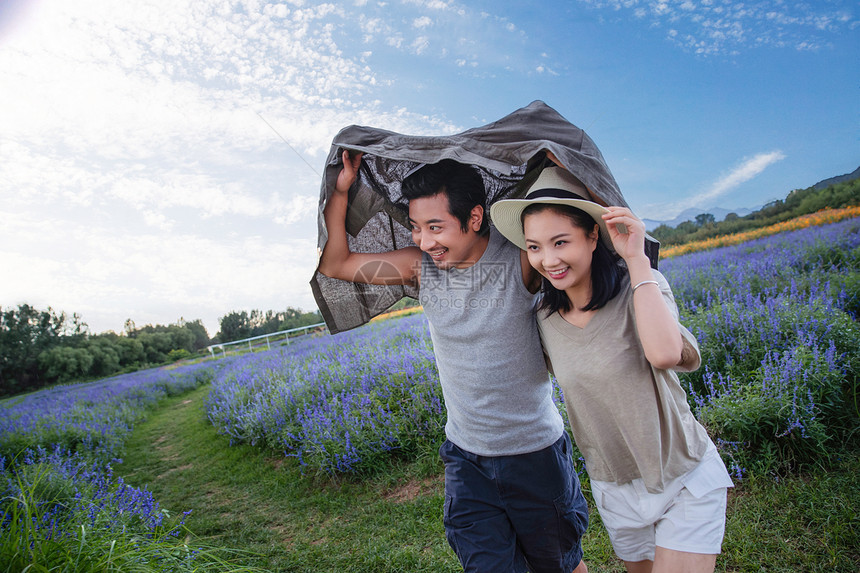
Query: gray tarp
(505,152)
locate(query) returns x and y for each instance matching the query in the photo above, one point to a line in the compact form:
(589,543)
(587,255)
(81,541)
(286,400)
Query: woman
(610,329)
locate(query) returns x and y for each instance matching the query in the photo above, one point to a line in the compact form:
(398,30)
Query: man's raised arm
(337,261)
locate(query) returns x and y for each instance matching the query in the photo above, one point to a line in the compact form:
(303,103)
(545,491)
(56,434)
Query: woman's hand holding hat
(626,231)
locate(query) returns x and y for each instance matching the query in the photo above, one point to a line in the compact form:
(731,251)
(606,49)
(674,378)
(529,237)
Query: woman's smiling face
(558,249)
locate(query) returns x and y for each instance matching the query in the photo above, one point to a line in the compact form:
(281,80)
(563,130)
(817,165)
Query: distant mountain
(690,215)
(838,179)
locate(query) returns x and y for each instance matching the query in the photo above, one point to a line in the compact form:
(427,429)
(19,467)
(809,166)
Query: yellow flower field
(823,217)
(396,313)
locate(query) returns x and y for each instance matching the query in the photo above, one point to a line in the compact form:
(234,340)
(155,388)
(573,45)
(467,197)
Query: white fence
(268,337)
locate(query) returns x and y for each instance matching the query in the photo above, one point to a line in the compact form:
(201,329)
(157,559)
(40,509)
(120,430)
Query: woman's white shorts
(689,515)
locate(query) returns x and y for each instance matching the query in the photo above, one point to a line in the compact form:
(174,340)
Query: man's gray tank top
(494,379)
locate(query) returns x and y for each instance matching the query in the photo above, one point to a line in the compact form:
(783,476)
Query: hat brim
(506,215)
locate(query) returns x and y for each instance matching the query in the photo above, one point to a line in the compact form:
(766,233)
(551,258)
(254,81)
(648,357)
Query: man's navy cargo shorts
(514,513)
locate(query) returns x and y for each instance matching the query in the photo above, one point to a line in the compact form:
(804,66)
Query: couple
(610,332)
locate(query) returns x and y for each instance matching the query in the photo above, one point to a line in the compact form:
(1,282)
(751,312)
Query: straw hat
(554,186)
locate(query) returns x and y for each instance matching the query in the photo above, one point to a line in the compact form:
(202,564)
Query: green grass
(255,500)
(800,523)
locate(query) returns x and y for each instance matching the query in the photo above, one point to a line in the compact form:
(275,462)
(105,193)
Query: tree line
(797,202)
(39,348)
(242,324)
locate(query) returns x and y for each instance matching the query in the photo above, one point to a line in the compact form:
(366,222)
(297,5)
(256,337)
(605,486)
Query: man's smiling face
(439,233)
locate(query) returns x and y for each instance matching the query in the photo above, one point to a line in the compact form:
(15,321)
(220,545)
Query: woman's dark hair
(607,268)
(461,184)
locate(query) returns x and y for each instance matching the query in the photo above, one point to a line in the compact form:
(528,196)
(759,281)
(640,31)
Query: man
(513,501)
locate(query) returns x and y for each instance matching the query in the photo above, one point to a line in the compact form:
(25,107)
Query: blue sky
(161,158)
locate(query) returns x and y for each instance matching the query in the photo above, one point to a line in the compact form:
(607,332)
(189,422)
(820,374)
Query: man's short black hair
(461,183)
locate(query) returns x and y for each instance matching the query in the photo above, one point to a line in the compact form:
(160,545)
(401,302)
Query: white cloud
(709,28)
(108,275)
(420,44)
(140,178)
(728,182)
(157,219)
(740,174)
(437,23)
(717,191)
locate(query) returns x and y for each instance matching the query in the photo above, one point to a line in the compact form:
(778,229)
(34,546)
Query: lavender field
(776,319)
(57,447)
(93,418)
(336,403)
